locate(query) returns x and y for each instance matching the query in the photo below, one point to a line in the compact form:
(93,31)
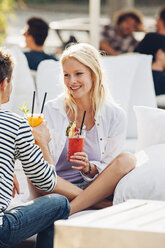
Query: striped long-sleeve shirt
(17,142)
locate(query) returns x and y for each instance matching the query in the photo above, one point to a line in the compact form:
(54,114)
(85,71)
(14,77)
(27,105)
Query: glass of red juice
(75,144)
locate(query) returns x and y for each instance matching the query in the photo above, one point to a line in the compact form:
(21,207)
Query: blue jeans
(82,185)
(33,217)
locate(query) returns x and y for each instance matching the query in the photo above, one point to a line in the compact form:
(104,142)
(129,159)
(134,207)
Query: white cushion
(129,78)
(120,71)
(48,80)
(142,91)
(23,83)
(130,145)
(147,181)
(150,125)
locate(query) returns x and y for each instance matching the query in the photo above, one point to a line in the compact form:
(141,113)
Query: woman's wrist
(92,170)
(89,169)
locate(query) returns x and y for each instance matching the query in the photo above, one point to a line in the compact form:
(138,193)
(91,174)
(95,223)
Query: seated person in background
(119,38)
(35,36)
(17,142)
(88,177)
(152,40)
(158,71)
(154,44)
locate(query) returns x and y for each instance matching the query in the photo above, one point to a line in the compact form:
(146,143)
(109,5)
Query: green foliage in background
(38,1)
(58,1)
(6,6)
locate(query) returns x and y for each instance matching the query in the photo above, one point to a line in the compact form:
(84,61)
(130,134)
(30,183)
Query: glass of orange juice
(35,120)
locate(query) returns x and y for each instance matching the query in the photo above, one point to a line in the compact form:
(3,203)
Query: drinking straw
(42,108)
(82,123)
(33,103)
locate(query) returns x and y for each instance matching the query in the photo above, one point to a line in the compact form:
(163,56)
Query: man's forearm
(108,49)
(46,153)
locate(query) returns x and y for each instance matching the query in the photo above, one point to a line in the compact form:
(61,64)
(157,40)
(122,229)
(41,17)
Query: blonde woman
(89,177)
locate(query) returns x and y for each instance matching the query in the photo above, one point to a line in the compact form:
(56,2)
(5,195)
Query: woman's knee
(125,162)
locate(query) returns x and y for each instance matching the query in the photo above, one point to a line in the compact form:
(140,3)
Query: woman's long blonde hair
(89,56)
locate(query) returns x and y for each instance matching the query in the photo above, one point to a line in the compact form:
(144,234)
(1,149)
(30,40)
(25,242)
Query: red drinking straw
(82,123)
(43,103)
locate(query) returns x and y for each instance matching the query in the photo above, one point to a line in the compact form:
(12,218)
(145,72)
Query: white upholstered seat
(130,80)
(23,84)
(47,80)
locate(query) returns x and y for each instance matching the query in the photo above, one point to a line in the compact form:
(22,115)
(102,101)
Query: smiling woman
(92,175)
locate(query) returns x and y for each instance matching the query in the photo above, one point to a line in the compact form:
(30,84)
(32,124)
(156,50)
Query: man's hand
(15,186)
(41,134)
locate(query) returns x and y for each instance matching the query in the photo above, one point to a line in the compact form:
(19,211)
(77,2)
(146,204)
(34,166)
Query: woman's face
(77,78)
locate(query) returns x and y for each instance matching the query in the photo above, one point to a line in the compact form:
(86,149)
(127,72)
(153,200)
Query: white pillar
(94,16)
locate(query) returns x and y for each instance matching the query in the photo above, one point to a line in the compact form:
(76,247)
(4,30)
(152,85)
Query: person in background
(35,36)
(119,38)
(153,40)
(160,22)
(154,44)
(158,71)
(17,142)
(93,174)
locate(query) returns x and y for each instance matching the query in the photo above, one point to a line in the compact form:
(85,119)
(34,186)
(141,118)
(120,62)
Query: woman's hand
(81,158)
(15,186)
(41,134)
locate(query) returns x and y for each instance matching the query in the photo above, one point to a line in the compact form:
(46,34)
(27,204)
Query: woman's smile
(75,88)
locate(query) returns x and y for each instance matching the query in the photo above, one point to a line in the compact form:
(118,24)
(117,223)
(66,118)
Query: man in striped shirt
(17,142)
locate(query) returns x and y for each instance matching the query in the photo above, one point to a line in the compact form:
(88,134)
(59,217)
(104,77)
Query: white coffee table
(133,224)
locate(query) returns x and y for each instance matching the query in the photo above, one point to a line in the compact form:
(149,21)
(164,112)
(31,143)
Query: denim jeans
(34,217)
(82,185)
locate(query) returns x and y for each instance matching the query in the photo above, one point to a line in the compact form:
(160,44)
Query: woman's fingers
(79,158)
(83,154)
(78,168)
(82,160)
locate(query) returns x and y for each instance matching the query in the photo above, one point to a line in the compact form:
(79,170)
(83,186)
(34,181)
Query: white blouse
(111,126)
